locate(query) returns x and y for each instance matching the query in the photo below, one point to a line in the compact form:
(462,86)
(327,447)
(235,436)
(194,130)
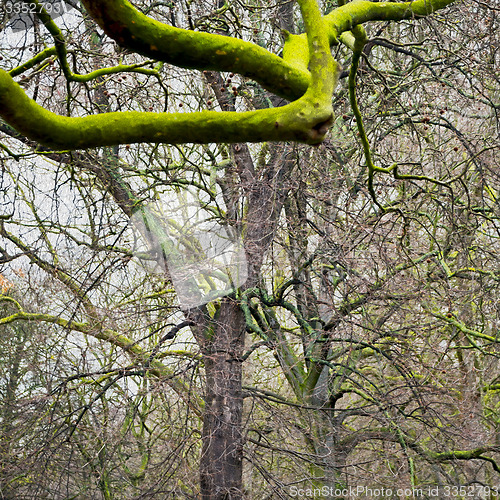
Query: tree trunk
(327,471)
(221,460)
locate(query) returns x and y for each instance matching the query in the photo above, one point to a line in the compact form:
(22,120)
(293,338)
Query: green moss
(296,51)
(121,341)
(351,14)
(195,50)
(304,120)
(40,57)
(307,119)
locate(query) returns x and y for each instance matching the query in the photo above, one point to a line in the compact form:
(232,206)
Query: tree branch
(305,120)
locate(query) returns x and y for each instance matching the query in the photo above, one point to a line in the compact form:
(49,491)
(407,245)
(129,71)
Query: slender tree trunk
(221,466)
(328,470)
(7,410)
(221,460)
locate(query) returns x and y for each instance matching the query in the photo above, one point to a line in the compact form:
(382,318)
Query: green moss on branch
(121,341)
(354,13)
(305,120)
(40,57)
(188,49)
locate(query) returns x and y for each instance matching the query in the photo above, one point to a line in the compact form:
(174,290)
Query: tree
(324,313)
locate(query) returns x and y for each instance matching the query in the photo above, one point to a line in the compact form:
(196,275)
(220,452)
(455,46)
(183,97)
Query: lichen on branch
(189,49)
(304,120)
(195,50)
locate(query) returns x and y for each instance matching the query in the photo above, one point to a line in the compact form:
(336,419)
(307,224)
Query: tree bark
(221,460)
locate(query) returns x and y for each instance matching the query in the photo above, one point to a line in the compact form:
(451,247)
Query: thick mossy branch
(296,50)
(195,50)
(352,14)
(322,66)
(305,120)
(188,49)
